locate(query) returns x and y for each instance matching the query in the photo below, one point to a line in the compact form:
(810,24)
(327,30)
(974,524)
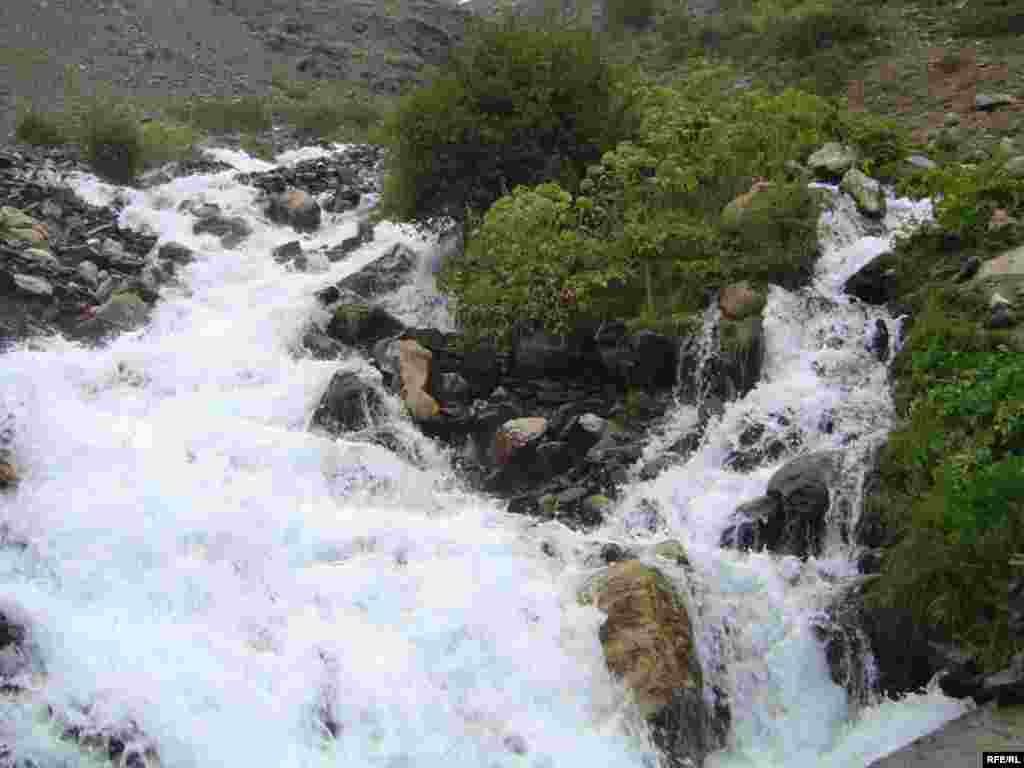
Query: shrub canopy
(513,106)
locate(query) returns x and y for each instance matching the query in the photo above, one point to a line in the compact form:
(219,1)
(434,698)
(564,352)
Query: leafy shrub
(530,259)
(112,141)
(163,141)
(819,26)
(513,106)
(989,18)
(40,129)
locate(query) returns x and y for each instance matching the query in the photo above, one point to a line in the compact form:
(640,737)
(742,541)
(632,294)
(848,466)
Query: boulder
(583,432)
(648,642)
(874,283)
(295,208)
(362,324)
(32,285)
(536,353)
(878,341)
(921,163)
(802,489)
(20,227)
(363,235)
(832,160)
(1003,276)
(383,275)
(866,192)
(349,404)
(654,359)
(847,647)
(414,372)
(739,301)
(8,474)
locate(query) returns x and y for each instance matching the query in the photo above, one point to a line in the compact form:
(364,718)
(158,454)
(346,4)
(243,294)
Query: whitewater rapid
(192,560)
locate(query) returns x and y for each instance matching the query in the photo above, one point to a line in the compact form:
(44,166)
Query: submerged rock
(295,208)
(349,404)
(866,192)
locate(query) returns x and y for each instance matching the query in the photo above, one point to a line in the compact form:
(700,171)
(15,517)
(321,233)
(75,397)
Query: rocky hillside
(157,49)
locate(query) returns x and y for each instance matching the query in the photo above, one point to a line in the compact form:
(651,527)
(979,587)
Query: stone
(673,551)
(866,192)
(349,404)
(754,524)
(832,160)
(648,643)
(231,230)
(176,253)
(986,102)
(1001,219)
(878,341)
(414,372)
(583,432)
(363,324)
(383,275)
(739,300)
(36,286)
(802,489)
(535,352)
(594,508)
(515,435)
(287,251)
(40,258)
(452,386)
(295,208)
(874,283)
(88,272)
(19,226)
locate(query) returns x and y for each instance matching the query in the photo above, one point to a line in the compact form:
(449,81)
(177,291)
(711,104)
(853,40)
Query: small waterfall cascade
(216,585)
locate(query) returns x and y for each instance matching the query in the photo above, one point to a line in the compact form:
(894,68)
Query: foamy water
(199,564)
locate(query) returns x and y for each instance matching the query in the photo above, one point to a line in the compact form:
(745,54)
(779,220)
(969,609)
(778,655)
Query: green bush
(112,141)
(40,129)
(513,106)
(989,18)
(164,141)
(817,27)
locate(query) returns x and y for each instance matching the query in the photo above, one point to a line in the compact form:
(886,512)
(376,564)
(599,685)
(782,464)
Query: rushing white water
(200,565)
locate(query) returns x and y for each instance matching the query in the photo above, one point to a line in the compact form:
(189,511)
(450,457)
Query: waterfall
(212,583)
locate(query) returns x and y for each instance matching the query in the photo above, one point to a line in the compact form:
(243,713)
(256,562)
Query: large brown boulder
(414,371)
(648,642)
(739,301)
(736,211)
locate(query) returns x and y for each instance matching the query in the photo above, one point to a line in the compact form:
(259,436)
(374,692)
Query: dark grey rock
(349,404)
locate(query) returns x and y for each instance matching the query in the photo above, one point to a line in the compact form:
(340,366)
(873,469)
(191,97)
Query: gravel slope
(213,47)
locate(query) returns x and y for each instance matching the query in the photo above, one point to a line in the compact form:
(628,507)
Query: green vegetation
(39,129)
(642,235)
(953,476)
(242,115)
(514,106)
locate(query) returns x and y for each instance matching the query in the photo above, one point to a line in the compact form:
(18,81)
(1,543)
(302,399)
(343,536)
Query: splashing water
(193,561)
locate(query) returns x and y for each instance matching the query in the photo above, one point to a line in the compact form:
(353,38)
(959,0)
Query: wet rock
(583,433)
(17,226)
(673,551)
(364,234)
(176,253)
(921,163)
(536,353)
(383,275)
(878,342)
(231,230)
(287,252)
(594,508)
(865,191)
(414,373)
(349,404)
(755,523)
(321,346)
(648,642)
(874,283)
(847,648)
(89,272)
(802,489)
(832,161)
(295,208)
(1014,167)
(655,357)
(362,324)
(1001,314)
(452,387)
